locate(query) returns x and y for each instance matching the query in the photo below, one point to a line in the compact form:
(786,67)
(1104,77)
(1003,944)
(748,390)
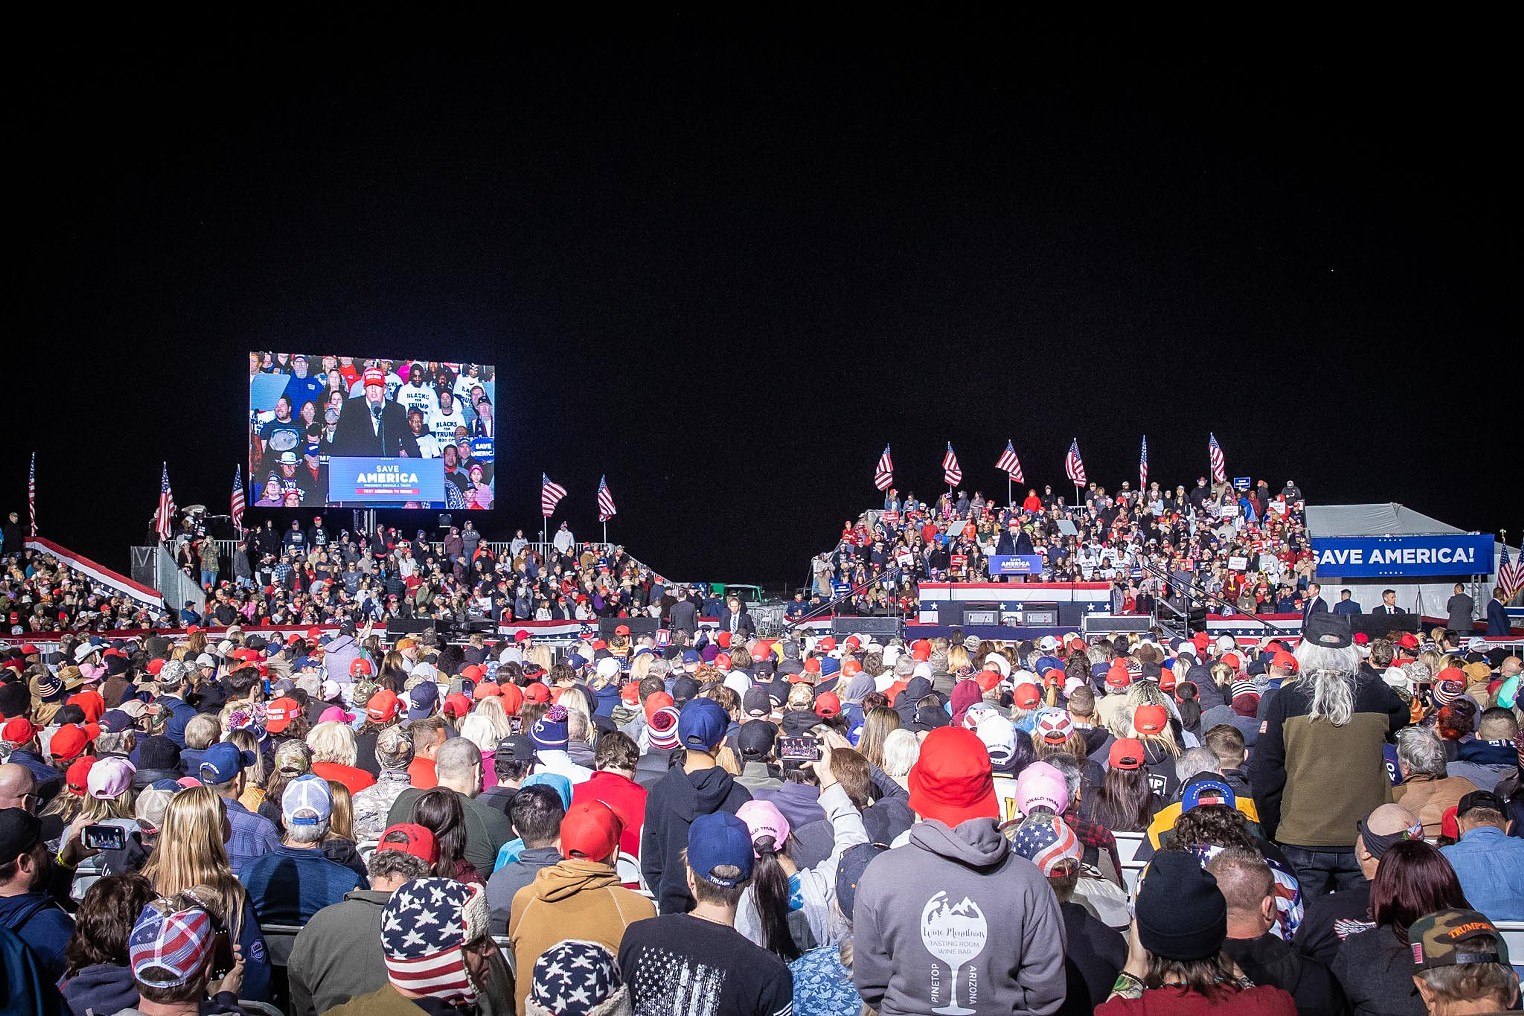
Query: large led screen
(366,432)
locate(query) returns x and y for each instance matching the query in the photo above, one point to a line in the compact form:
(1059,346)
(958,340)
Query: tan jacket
(1429,799)
(573,899)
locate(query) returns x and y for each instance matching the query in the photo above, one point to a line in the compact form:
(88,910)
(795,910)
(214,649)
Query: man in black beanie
(1175,949)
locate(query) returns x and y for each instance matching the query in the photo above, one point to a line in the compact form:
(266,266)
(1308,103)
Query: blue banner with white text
(1015,564)
(386,482)
(1401,557)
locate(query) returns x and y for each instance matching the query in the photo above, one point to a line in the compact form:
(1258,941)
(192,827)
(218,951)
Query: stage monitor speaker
(396,627)
(1113,623)
(1381,625)
(638,626)
(983,615)
(1040,615)
(878,627)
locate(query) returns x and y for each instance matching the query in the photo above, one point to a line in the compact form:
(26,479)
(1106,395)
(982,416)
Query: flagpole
(605,532)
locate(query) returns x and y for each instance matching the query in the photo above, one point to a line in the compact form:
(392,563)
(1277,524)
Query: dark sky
(726,271)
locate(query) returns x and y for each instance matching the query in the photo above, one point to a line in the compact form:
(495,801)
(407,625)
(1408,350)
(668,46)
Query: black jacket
(1269,961)
(674,802)
(355,435)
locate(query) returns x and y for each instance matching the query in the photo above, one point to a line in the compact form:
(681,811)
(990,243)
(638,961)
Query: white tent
(1427,597)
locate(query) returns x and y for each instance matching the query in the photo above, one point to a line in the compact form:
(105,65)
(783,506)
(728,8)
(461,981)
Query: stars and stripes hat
(168,947)
(423,928)
(577,978)
(1047,842)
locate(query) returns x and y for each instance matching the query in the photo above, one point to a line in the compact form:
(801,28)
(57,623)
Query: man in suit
(1497,617)
(1346,605)
(736,620)
(1315,602)
(1461,608)
(373,425)
(1388,603)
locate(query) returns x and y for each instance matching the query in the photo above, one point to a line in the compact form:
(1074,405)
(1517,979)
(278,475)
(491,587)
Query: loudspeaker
(396,627)
(878,627)
(638,626)
(1113,623)
(1381,625)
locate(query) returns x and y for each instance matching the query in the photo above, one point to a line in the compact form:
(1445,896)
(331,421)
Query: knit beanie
(577,978)
(1181,913)
(549,731)
(158,753)
(423,927)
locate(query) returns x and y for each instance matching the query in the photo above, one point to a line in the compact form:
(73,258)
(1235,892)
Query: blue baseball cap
(1209,786)
(702,725)
(692,657)
(222,762)
(830,665)
(717,840)
(421,700)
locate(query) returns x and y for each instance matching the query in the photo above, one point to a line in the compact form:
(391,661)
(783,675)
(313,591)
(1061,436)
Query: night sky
(725,270)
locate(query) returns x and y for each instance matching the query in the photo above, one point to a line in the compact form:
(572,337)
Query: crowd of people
(711,822)
(1150,544)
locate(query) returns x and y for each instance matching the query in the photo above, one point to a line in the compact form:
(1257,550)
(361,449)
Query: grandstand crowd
(718,823)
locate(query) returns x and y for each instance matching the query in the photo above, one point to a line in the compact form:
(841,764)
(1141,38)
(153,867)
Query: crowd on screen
(711,822)
(305,410)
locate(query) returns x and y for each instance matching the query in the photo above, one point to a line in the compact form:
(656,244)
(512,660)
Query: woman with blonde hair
(878,724)
(334,751)
(191,852)
(254,776)
(339,844)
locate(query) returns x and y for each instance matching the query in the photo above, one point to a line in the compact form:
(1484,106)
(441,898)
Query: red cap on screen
(375,376)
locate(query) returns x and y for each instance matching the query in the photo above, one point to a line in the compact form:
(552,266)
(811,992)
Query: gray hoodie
(955,917)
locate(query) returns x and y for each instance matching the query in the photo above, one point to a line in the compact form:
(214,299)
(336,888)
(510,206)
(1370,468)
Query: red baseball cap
(951,781)
(359,665)
(723,640)
(622,629)
(1150,719)
(988,679)
(1407,640)
(280,713)
(590,830)
(534,691)
(513,698)
(826,644)
(1027,695)
(485,690)
(827,704)
(383,706)
(69,742)
(420,841)
(1117,676)
(18,730)
(1126,753)
(456,704)
(812,665)
(375,376)
(77,778)
(851,668)
(154,666)
(1285,661)
(521,635)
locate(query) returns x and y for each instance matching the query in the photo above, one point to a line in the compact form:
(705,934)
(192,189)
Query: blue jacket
(1497,620)
(42,924)
(1344,607)
(1490,880)
(180,713)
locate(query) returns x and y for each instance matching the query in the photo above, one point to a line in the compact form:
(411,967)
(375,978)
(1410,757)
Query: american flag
(952,473)
(550,495)
(1219,464)
(238,500)
(1510,576)
(606,509)
(1074,466)
(164,518)
(883,476)
(1010,464)
(1143,465)
(31,492)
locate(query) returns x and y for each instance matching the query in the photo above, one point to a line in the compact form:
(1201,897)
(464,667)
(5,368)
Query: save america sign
(1353,557)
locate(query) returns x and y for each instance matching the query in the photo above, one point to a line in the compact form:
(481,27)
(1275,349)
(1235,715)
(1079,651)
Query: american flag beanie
(423,927)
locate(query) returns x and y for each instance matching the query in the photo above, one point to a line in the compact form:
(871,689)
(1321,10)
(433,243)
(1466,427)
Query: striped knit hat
(423,927)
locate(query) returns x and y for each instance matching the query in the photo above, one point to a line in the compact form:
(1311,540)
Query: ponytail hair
(769,886)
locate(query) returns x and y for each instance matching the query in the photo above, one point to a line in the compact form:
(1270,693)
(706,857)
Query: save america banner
(1353,557)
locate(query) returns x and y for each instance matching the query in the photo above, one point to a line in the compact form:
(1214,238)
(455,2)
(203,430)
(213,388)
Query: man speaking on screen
(372,425)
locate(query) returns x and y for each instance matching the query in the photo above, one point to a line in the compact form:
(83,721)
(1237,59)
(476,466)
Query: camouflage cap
(1453,936)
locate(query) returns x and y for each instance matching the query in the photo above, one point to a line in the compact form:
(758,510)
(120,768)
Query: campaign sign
(384,481)
(1241,483)
(1403,556)
(1015,564)
(481,449)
